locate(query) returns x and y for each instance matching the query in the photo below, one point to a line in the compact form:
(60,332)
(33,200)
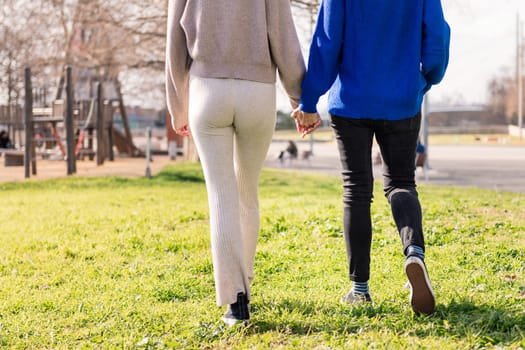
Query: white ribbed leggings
(232,122)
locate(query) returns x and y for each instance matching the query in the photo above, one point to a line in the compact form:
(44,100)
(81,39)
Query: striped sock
(414,250)
(360,288)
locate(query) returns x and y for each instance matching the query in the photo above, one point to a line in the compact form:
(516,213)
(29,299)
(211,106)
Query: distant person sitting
(5,141)
(291,152)
(292,149)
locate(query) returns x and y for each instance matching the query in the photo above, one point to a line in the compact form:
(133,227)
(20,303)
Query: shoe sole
(231,322)
(422,297)
(355,300)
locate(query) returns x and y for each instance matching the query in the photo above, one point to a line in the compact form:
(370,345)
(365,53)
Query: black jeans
(397,141)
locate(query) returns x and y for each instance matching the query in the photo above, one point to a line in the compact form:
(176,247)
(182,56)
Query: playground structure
(65,129)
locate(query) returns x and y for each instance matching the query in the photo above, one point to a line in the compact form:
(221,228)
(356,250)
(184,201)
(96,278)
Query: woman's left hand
(184,131)
(305,122)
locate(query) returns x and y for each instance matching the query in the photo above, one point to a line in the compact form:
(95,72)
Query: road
(496,167)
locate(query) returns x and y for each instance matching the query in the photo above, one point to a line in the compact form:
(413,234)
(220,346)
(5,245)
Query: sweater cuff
(308,104)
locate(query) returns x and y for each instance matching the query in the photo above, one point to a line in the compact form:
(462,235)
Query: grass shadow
(490,324)
(486,325)
(180,173)
(304,317)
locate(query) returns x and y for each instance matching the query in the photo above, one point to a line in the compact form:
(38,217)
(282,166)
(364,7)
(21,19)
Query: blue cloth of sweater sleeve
(436,42)
(324,54)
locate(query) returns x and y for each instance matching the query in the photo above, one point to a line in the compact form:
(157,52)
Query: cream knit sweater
(238,39)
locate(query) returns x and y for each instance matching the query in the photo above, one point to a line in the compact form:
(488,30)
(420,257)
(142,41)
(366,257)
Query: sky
(483,46)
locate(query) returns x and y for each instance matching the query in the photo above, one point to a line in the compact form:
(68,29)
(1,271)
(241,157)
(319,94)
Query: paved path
(128,167)
(497,167)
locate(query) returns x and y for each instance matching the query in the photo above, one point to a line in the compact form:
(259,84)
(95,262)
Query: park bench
(12,157)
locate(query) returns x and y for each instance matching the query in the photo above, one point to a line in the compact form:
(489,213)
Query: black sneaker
(237,312)
(422,297)
(356,298)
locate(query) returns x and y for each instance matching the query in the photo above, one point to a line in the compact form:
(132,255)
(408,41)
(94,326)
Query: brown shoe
(422,296)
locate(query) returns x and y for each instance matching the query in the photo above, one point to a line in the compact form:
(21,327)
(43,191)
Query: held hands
(305,122)
(184,131)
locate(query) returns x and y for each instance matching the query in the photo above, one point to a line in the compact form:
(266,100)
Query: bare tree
(305,12)
(121,41)
(19,46)
(306,4)
(503,98)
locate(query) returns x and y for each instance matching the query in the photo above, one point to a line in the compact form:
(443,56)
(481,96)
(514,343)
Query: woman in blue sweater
(377,58)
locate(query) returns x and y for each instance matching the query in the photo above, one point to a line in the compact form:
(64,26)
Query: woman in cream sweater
(221,63)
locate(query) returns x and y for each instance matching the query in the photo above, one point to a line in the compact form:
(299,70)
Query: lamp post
(311,9)
(148,152)
(424,126)
(519,68)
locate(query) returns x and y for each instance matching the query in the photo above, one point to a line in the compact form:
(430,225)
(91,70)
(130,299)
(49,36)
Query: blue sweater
(377,57)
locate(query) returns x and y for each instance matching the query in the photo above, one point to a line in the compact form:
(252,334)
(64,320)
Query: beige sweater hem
(258,73)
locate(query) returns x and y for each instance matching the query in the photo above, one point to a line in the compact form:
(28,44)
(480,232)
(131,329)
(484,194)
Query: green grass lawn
(102,263)
(475,139)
